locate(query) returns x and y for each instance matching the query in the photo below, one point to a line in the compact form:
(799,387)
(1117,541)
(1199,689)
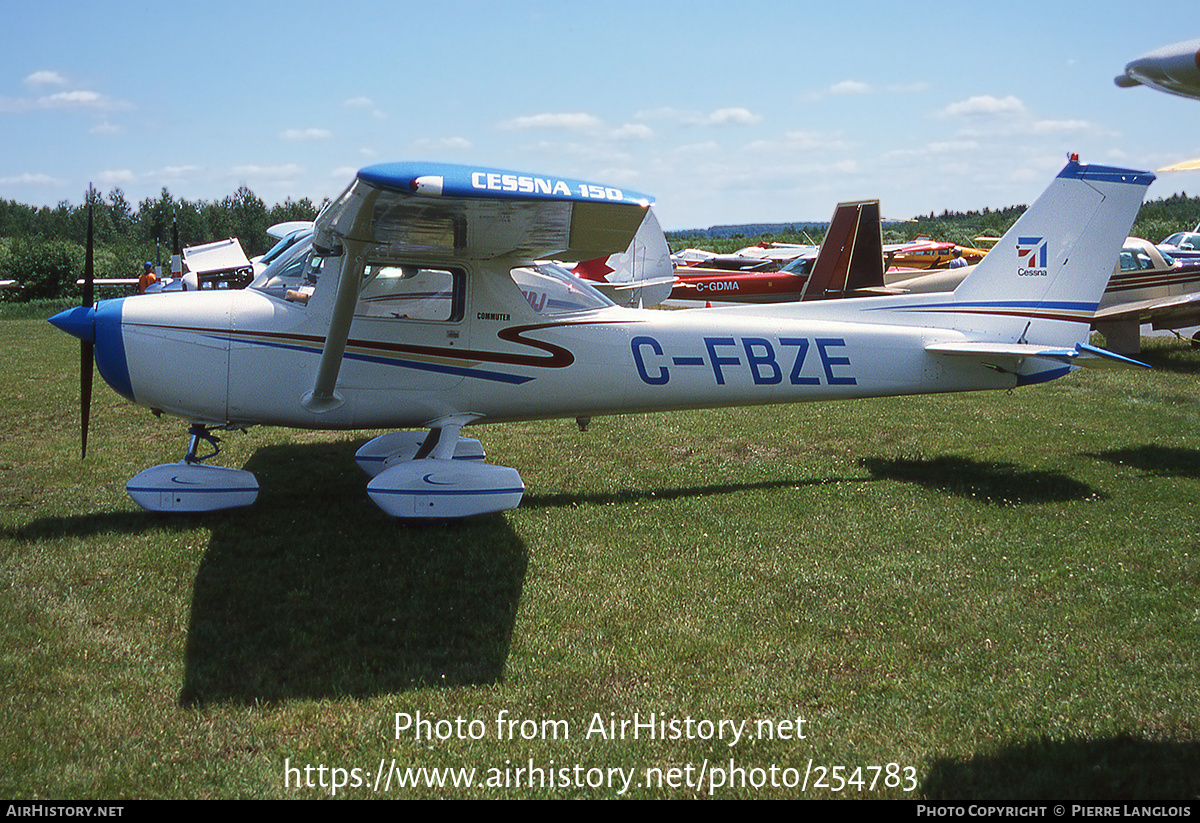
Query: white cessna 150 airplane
(420,304)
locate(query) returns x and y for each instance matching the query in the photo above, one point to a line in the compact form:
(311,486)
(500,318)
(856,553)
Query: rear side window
(411,293)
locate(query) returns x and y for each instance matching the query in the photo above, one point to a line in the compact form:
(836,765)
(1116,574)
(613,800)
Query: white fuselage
(245,357)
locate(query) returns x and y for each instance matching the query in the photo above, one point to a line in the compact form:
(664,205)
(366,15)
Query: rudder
(1053,264)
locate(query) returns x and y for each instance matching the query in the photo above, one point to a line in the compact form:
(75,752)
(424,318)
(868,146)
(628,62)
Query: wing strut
(323,398)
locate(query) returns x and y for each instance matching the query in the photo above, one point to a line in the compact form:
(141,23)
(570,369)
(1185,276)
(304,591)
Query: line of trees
(42,248)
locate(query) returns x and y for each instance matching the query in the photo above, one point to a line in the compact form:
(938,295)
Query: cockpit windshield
(292,275)
(801,265)
(285,243)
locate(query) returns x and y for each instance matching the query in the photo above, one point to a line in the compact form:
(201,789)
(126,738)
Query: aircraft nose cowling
(101,325)
(79,321)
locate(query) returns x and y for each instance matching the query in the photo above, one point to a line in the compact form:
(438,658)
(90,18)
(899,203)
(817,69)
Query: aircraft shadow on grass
(315,593)
(1003,484)
(1159,461)
(1109,768)
(569,499)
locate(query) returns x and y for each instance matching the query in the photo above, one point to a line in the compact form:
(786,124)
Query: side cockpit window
(411,292)
(549,289)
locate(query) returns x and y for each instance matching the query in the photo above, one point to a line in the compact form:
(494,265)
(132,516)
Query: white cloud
(705,147)
(180,171)
(306,134)
(174,174)
(82,99)
(442,143)
(850,87)
(116,177)
(984,105)
(78,99)
(572,121)
(46,77)
(1061,126)
(366,104)
(29,179)
(633,131)
(580,123)
(729,115)
(807,140)
(952,146)
(284,171)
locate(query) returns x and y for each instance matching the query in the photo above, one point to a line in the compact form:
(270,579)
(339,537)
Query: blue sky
(724,112)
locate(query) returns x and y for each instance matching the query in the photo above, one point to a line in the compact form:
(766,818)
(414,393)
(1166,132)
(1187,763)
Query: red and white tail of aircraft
(851,256)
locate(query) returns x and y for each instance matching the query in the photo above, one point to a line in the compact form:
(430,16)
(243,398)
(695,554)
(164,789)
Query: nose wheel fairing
(192,486)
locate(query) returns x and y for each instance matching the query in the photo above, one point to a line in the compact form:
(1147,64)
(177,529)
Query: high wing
(1173,312)
(282,230)
(445,212)
(223,261)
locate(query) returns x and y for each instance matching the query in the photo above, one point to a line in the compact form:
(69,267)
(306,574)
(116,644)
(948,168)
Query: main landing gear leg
(387,450)
(192,486)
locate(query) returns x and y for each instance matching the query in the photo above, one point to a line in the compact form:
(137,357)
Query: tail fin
(642,275)
(1043,281)
(851,256)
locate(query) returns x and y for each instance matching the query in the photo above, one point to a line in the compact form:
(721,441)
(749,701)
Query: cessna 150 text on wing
(420,304)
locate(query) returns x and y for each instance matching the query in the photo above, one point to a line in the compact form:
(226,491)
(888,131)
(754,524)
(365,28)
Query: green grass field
(970,596)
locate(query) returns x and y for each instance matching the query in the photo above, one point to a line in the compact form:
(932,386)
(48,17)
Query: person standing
(147,279)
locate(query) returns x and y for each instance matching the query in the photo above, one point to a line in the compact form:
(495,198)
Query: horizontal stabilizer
(1081,354)
(1098,358)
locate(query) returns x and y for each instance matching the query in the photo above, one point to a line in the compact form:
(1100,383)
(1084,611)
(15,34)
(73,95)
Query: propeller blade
(86,354)
(86,347)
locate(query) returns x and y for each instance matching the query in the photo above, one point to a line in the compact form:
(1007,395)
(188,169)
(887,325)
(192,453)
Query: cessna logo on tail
(1031,256)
